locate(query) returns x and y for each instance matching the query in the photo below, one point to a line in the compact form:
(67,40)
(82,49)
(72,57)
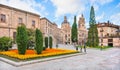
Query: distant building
(50,29)
(82,31)
(66,31)
(108,35)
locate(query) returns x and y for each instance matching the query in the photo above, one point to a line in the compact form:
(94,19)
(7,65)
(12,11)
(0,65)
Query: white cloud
(68,7)
(104,1)
(100,17)
(115,18)
(75,7)
(27,5)
(118,5)
(97,3)
(101,2)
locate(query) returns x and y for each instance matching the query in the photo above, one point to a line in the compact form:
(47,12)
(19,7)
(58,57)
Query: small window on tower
(82,25)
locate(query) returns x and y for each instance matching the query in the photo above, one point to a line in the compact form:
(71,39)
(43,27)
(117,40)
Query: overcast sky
(55,10)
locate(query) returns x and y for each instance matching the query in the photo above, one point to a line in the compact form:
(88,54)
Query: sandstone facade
(11,18)
(108,35)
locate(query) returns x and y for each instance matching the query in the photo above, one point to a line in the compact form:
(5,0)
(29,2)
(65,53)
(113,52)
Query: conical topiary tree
(74,33)
(21,39)
(46,42)
(50,42)
(38,41)
(93,32)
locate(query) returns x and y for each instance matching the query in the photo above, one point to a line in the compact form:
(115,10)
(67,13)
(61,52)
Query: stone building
(66,31)
(82,31)
(49,29)
(11,18)
(108,35)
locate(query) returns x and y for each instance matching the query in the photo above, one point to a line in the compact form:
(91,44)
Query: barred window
(2,18)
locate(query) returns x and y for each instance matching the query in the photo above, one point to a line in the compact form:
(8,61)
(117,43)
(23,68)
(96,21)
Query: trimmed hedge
(31,38)
(38,41)
(5,43)
(50,42)
(22,39)
(46,42)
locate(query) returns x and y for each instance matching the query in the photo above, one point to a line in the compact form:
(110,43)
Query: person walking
(101,47)
(84,48)
(80,47)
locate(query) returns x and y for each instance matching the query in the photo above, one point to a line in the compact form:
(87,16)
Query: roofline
(19,10)
(46,19)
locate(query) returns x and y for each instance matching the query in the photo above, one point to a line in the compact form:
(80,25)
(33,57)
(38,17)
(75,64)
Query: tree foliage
(31,38)
(74,33)
(93,32)
(5,43)
(38,41)
(50,42)
(22,39)
(46,42)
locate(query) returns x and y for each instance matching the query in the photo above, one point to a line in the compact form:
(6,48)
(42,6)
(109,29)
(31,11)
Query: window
(2,18)
(82,25)
(107,34)
(101,40)
(33,23)
(20,20)
(110,40)
(14,35)
(69,35)
(66,37)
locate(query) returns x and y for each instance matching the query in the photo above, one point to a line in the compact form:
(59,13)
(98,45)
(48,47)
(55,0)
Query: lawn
(31,54)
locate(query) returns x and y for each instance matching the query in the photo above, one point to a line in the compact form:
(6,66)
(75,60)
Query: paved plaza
(94,60)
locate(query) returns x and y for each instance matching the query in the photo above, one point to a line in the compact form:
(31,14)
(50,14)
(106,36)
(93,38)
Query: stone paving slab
(95,59)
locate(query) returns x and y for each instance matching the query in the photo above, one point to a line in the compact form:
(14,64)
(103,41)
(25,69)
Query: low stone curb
(17,64)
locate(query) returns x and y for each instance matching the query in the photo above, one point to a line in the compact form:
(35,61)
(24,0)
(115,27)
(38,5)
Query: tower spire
(65,19)
(82,15)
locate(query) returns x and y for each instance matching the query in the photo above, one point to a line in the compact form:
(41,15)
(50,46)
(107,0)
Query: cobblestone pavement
(94,60)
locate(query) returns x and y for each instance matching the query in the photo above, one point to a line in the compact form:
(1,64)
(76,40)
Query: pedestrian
(81,48)
(84,48)
(101,47)
(56,45)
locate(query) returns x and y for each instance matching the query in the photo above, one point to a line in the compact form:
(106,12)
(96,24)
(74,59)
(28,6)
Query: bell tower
(81,23)
(82,31)
(66,31)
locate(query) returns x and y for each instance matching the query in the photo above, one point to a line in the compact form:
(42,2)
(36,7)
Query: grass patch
(100,47)
(97,47)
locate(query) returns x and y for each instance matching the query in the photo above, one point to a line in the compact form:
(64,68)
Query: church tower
(66,31)
(82,31)
(81,23)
